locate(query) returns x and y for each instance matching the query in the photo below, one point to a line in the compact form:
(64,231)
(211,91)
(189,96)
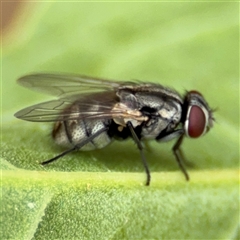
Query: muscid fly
(89,113)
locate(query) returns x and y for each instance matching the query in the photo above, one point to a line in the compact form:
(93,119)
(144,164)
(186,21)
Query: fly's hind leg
(77,146)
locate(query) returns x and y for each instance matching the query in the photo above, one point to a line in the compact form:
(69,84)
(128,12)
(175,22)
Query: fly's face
(199,117)
(90,112)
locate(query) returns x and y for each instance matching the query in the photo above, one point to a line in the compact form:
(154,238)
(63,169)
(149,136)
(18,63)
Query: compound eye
(196,124)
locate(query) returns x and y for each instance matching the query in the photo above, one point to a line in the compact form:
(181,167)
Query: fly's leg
(179,156)
(76,147)
(140,147)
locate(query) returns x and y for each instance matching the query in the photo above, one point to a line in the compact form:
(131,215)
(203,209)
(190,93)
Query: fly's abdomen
(74,132)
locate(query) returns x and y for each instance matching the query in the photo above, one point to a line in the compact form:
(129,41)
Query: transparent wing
(94,105)
(103,105)
(79,97)
(44,112)
(62,85)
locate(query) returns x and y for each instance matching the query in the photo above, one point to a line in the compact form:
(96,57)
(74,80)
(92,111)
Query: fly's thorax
(122,114)
(154,108)
(166,118)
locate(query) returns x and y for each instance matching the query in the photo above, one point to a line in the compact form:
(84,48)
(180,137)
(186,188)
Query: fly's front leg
(179,156)
(179,133)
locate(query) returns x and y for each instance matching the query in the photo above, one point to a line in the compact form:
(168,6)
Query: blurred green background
(184,45)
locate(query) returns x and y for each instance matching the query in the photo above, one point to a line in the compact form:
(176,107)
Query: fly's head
(198,115)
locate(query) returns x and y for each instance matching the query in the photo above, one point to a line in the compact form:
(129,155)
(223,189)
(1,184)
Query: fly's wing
(44,112)
(103,105)
(87,106)
(79,97)
(63,85)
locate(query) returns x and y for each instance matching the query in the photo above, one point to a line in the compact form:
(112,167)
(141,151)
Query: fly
(89,113)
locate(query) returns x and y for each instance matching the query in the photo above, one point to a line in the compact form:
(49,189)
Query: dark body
(89,113)
(152,111)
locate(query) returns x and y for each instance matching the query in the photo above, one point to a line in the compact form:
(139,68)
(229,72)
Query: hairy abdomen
(73,132)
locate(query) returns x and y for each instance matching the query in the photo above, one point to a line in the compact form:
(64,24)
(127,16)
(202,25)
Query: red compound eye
(196,122)
(195,92)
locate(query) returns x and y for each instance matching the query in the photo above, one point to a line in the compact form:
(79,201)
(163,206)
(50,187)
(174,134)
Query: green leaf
(101,194)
